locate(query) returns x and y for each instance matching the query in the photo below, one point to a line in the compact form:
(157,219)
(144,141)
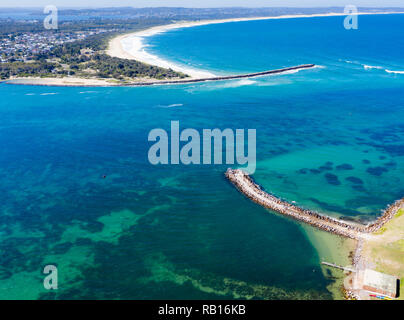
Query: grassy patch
(398,245)
(380,231)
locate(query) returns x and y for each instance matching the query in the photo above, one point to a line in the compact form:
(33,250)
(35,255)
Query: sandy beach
(63,82)
(131,46)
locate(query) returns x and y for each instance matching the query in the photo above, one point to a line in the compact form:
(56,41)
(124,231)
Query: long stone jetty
(248,75)
(37,82)
(346,229)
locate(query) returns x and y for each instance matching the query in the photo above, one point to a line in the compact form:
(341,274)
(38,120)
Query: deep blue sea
(77,190)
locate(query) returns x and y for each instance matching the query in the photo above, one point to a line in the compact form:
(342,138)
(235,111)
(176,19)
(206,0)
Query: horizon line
(197,7)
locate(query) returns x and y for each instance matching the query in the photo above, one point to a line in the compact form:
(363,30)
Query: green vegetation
(86,58)
(380,231)
(385,249)
(37,68)
(83,58)
(120,68)
(117,25)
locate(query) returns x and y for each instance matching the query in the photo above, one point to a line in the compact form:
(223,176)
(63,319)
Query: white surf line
(131,46)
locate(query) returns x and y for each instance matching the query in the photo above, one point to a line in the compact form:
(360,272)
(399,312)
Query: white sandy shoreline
(96,82)
(131,46)
(61,82)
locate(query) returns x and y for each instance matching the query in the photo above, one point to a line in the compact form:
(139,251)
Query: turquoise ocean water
(329,138)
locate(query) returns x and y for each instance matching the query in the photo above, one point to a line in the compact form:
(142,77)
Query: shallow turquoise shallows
(77,190)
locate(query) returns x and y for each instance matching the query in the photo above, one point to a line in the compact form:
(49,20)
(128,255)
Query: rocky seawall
(242,76)
(249,188)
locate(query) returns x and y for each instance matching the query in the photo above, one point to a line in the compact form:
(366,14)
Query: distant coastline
(135,51)
(131,45)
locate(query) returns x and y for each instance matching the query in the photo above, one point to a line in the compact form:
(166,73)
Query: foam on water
(174,105)
(235,84)
(371,67)
(392,71)
(135,45)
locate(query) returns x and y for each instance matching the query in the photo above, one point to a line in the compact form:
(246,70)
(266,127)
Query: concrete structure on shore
(381,283)
(371,281)
(366,282)
(333,225)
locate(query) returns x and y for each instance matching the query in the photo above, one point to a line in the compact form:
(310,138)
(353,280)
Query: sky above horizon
(200,3)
